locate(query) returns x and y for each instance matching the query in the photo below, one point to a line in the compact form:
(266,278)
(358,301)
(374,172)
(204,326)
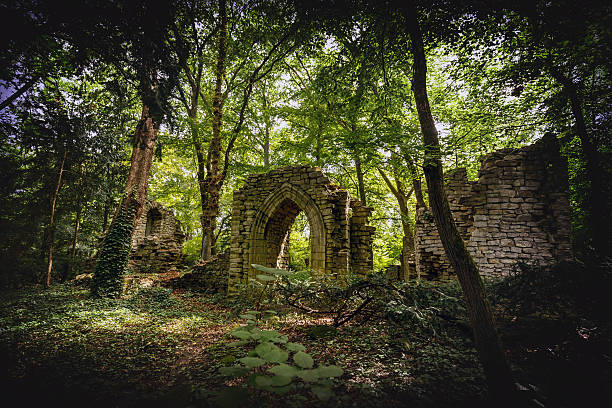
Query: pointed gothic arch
(265,207)
(275,217)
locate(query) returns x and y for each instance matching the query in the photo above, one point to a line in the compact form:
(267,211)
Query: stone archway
(265,208)
(275,217)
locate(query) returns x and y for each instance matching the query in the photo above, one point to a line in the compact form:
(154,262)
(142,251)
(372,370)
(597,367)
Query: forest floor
(154,348)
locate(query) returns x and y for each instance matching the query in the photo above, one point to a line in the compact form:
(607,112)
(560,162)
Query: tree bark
(114,255)
(596,202)
(360,184)
(75,236)
(142,158)
(214,177)
(488,344)
(51,219)
(408,239)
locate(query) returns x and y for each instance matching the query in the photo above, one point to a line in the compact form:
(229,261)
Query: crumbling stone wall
(266,206)
(208,275)
(157,242)
(518,210)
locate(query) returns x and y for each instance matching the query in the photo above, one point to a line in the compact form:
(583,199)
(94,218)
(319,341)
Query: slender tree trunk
(23,89)
(51,219)
(408,240)
(75,236)
(596,202)
(268,124)
(360,184)
(319,147)
(214,178)
(416,183)
(488,344)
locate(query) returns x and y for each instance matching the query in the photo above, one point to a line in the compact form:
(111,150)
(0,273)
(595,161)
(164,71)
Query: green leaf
(268,335)
(330,371)
(237,343)
(253,312)
(303,360)
(295,347)
(247,316)
(263,381)
(234,371)
(276,356)
(251,362)
(241,334)
(308,375)
(284,370)
(321,392)
(266,278)
(280,339)
(264,348)
(281,390)
(280,380)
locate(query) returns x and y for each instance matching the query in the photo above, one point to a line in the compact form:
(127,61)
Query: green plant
(273,363)
(110,267)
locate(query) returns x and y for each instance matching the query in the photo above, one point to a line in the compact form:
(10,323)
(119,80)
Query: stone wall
(518,210)
(157,242)
(209,275)
(266,206)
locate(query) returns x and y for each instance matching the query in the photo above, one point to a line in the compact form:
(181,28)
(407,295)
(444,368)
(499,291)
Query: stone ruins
(157,241)
(518,210)
(264,210)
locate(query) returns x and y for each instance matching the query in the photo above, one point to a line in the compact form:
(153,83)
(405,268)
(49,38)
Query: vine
(114,256)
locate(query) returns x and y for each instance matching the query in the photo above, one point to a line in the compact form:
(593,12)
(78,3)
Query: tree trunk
(114,255)
(360,184)
(488,343)
(214,179)
(408,240)
(268,128)
(75,236)
(596,202)
(51,219)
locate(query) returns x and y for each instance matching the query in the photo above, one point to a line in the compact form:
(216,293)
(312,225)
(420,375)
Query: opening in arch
(154,219)
(271,240)
(295,250)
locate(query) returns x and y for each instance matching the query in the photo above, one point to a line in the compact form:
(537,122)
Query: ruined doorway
(270,238)
(266,206)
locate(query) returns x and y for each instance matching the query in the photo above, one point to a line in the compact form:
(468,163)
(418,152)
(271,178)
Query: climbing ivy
(114,256)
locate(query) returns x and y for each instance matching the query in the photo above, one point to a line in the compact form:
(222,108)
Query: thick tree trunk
(51,220)
(596,202)
(142,158)
(115,252)
(488,344)
(214,177)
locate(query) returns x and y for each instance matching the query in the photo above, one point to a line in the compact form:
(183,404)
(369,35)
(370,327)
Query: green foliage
(269,353)
(114,255)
